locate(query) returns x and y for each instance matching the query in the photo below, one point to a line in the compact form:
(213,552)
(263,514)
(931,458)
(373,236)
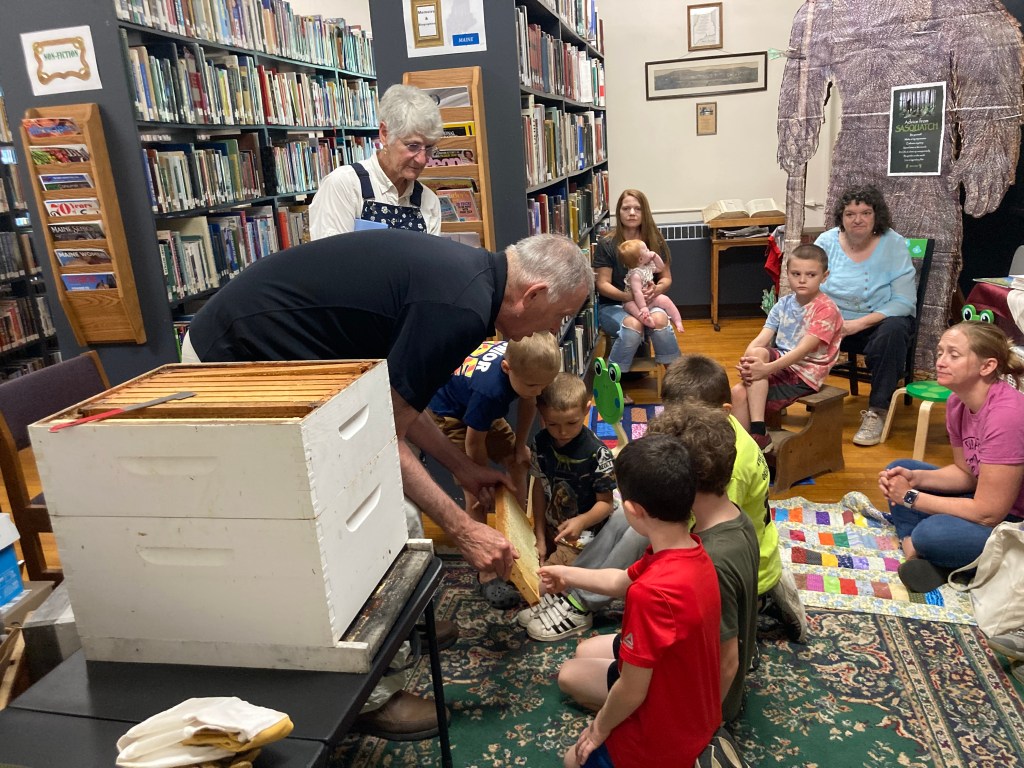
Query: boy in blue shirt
(471,408)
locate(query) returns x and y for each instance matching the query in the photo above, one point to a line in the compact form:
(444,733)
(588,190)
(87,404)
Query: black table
(322,705)
(45,740)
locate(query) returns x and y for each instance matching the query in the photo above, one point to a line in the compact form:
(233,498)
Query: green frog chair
(608,399)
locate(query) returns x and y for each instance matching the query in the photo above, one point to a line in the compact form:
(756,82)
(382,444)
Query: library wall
(355,12)
(653,145)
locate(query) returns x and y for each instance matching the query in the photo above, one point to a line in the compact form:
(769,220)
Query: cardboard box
(10,574)
(245,526)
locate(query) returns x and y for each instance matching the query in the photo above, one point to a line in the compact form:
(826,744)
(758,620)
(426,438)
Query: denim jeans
(943,540)
(627,341)
(885,346)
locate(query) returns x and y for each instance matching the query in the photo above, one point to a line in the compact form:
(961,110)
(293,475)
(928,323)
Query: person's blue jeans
(627,341)
(943,540)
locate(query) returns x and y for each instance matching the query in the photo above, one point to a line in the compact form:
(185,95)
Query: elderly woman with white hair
(383,190)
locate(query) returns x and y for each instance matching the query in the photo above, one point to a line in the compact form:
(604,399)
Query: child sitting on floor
(700,378)
(795,350)
(572,495)
(642,263)
(656,685)
(471,408)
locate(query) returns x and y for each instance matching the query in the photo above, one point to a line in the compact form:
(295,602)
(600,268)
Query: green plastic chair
(929,393)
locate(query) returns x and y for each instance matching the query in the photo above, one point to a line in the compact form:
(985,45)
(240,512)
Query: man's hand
(482,481)
(542,548)
(485,549)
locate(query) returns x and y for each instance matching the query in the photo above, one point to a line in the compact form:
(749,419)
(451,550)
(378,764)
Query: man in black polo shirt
(424,303)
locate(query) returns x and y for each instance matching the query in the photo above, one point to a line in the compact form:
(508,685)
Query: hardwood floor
(726,346)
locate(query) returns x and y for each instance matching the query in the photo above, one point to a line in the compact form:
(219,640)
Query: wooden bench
(817,447)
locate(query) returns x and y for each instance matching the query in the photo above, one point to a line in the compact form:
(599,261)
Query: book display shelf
(461,159)
(27,335)
(542,78)
(80,222)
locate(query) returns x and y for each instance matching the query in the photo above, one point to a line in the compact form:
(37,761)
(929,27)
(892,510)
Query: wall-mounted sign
(435,27)
(61,60)
(917,120)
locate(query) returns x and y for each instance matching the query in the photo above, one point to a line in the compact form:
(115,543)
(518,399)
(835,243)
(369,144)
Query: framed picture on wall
(707,76)
(707,118)
(704,26)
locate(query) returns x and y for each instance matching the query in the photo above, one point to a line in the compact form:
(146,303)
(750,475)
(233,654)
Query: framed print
(704,26)
(707,118)
(707,76)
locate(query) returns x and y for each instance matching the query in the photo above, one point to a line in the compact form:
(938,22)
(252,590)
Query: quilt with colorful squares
(845,557)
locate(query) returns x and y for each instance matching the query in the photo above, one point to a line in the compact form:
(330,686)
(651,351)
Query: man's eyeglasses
(415,148)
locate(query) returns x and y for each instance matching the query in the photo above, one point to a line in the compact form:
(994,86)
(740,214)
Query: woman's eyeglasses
(415,148)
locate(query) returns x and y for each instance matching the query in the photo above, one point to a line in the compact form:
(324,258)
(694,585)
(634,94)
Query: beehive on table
(244,526)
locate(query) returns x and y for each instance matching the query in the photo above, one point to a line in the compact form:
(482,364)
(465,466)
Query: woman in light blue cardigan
(872,281)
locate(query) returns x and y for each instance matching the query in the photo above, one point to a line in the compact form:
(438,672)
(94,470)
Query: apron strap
(364,181)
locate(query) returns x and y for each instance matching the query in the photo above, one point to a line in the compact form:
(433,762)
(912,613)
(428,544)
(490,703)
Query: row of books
(270,26)
(296,165)
(578,345)
(554,66)
(183,83)
(558,143)
(25,365)
(200,252)
(16,255)
(581,16)
(355,48)
(183,176)
(569,215)
(17,322)
(16,197)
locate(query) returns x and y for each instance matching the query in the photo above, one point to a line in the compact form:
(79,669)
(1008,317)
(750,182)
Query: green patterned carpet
(869,690)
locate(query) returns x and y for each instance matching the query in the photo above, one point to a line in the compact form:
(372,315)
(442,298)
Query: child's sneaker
(558,620)
(525,616)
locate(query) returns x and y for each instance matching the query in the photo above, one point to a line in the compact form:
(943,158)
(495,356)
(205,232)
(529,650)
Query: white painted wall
(355,12)
(653,145)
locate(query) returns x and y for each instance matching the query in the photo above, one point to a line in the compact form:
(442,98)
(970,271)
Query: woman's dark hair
(869,195)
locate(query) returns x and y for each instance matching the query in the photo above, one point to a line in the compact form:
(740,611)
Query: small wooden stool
(817,447)
(929,393)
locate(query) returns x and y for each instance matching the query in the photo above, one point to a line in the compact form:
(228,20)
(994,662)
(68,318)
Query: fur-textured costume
(864,49)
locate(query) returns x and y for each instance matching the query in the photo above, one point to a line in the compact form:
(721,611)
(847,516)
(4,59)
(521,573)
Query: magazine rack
(97,315)
(469,77)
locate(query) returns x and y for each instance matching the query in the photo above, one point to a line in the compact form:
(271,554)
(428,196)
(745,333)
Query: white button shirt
(339,201)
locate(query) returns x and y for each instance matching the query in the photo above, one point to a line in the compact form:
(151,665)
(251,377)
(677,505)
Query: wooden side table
(720,244)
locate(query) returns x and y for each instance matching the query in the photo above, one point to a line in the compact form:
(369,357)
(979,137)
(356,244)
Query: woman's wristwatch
(910,497)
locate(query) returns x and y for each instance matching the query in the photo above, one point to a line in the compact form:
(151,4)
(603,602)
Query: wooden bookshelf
(470,78)
(101,315)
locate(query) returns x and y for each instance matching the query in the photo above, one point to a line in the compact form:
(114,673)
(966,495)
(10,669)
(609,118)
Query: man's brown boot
(404,717)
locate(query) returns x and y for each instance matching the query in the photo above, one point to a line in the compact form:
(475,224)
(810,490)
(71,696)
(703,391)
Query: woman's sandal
(499,593)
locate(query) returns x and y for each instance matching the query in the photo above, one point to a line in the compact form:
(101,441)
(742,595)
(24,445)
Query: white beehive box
(244,526)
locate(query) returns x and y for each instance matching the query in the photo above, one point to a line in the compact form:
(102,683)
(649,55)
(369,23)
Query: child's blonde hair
(564,393)
(537,354)
(629,252)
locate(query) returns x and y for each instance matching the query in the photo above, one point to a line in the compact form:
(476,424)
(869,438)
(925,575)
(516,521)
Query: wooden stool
(929,393)
(817,447)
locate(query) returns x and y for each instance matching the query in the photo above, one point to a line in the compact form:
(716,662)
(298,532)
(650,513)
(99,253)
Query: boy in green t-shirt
(700,378)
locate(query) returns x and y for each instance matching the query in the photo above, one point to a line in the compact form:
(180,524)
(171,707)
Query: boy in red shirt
(659,699)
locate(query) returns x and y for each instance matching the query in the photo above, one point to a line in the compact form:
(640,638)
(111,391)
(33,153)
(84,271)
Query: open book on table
(737,209)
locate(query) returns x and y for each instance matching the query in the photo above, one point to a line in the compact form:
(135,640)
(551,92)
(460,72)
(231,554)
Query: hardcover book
(736,209)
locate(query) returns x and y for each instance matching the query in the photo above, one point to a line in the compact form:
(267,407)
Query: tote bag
(997,589)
